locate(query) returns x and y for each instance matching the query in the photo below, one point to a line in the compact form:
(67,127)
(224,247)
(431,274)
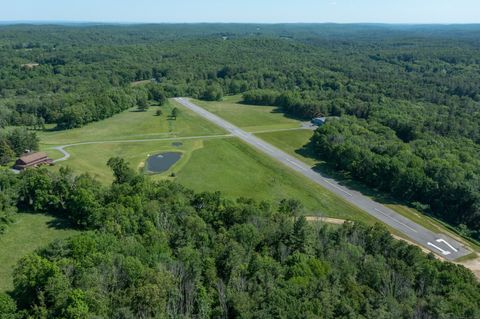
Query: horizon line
(45,21)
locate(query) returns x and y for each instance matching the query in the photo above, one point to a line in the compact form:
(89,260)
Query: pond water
(160,163)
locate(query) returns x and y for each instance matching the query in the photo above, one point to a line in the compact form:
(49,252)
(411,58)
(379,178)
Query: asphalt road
(440,244)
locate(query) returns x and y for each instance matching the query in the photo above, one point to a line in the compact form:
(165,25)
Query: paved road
(440,244)
(66,155)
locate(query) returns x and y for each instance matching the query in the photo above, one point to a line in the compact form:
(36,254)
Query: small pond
(160,163)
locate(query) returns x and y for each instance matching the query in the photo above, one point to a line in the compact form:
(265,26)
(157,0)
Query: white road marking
(448,244)
(423,235)
(396,220)
(337,187)
(297,165)
(444,252)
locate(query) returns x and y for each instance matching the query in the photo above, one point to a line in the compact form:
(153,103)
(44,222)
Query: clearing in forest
(211,159)
(28,233)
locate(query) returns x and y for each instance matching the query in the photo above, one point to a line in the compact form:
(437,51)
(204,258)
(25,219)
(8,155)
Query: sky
(252,11)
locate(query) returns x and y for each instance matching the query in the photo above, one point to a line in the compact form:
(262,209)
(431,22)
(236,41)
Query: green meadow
(133,124)
(28,233)
(251,118)
(211,159)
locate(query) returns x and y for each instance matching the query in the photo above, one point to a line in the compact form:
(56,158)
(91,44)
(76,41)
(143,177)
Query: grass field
(30,232)
(93,158)
(214,164)
(208,164)
(135,125)
(293,142)
(238,170)
(296,143)
(218,164)
(251,118)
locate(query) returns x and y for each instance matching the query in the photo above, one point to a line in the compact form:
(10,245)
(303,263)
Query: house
(319,121)
(32,160)
(30,65)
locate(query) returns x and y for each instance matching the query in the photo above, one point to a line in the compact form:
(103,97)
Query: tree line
(156,249)
(417,152)
(436,172)
(14,142)
(356,69)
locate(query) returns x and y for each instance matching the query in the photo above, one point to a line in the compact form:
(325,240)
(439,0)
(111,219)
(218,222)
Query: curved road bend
(440,244)
(66,155)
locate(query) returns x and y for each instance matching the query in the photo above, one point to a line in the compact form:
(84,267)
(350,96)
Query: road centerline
(414,231)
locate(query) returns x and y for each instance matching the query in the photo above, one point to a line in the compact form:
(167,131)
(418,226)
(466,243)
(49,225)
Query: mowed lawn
(132,124)
(294,142)
(93,158)
(251,118)
(297,142)
(30,232)
(214,164)
(208,164)
(238,170)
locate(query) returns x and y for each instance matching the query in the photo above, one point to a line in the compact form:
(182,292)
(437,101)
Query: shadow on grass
(52,129)
(328,170)
(60,223)
(343,178)
(279,109)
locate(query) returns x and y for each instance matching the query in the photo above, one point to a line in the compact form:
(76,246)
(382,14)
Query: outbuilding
(319,121)
(34,159)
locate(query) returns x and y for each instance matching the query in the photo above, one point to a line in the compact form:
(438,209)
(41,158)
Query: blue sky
(268,11)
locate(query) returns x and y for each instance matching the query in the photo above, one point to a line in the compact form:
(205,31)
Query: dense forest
(158,250)
(421,82)
(15,142)
(406,103)
(409,126)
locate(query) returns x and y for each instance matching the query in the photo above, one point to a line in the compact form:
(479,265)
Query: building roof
(30,65)
(318,120)
(32,157)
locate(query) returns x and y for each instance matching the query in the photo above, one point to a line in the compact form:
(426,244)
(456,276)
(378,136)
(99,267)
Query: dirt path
(473,264)
(441,243)
(334,221)
(66,155)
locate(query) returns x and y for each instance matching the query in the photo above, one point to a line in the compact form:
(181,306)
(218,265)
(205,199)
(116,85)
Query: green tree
(142,100)
(142,105)
(21,140)
(121,170)
(8,307)
(213,93)
(290,207)
(174,113)
(156,93)
(32,275)
(6,153)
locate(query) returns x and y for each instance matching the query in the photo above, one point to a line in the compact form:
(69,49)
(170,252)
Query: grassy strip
(241,171)
(251,118)
(135,125)
(296,143)
(28,233)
